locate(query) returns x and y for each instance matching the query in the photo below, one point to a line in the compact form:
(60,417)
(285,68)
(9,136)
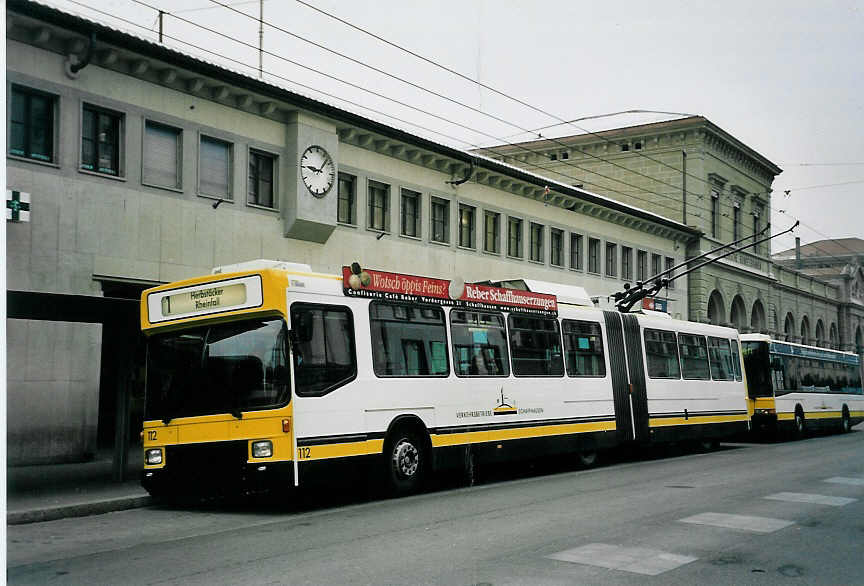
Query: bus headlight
(153,456)
(262,449)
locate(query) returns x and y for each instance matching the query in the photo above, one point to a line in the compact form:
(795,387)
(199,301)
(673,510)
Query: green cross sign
(17,206)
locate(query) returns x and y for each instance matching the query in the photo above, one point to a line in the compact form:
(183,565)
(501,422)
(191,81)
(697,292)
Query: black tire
(406,459)
(845,421)
(800,424)
(707,445)
(587,458)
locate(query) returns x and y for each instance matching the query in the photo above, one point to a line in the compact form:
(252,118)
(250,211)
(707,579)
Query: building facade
(692,170)
(133,164)
(837,262)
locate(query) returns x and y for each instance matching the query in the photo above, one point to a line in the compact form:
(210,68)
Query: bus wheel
(406,462)
(800,424)
(845,422)
(587,458)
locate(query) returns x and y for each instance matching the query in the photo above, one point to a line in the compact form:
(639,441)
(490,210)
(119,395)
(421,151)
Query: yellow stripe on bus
(696,419)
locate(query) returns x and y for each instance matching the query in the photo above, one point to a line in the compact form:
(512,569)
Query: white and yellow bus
(264,372)
(796,388)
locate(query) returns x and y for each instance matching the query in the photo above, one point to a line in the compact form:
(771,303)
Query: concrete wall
(53,391)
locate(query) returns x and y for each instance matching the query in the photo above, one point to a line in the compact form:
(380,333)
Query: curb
(77,510)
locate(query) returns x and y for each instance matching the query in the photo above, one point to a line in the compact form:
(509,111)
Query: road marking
(816,499)
(845,480)
(649,562)
(755,524)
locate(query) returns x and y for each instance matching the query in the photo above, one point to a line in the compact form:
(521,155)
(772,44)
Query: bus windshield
(758,368)
(224,368)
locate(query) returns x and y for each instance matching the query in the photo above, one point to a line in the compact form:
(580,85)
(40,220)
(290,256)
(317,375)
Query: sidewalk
(57,491)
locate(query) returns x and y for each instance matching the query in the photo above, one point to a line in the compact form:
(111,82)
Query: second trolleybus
(795,387)
(263,372)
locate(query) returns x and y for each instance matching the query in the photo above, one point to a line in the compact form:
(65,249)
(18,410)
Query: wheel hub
(406,459)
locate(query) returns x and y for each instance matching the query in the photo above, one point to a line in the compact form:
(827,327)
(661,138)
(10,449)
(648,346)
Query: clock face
(317,170)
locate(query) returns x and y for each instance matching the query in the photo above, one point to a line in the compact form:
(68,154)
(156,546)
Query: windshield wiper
(235,411)
(167,419)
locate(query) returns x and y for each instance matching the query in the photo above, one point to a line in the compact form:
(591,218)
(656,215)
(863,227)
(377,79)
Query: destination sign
(399,287)
(204,299)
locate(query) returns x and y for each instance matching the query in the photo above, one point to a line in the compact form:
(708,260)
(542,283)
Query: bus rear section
(760,387)
(218,412)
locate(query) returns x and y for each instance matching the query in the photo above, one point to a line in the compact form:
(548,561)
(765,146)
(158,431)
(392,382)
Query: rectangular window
(379,206)
(31,125)
(670,262)
(262,170)
(626,263)
(694,356)
(408,340)
(324,352)
(715,215)
(593,255)
(535,345)
(656,265)
(440,220)
(514,237)
(661,353)
(466,225)
(576,254)
(736,360)
(583,348)
(410,213)
(163,155)
(536,242)
(757,227)
(214,168)
(346,212)
(100,140)
(641,266)
(556,247)
(479,344)
(611,259)
(492,232)
(736,221)
(720,357)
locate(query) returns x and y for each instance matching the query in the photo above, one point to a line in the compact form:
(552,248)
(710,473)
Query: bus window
(479,344)
(225,368)
(408,340)
(661,353)
(535,345)
(759,369)
(720,357)
(324,356)
(694,357)
(736,360)
(583,348)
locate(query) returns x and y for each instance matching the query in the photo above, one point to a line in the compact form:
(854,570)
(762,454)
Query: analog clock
(317,170)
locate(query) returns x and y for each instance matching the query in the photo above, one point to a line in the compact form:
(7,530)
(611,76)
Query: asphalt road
(789,513)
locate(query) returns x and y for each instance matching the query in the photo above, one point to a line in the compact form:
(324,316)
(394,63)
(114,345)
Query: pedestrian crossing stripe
(17,206)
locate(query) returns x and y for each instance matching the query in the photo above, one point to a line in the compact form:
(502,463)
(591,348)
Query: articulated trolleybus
(796,387)
(263,372)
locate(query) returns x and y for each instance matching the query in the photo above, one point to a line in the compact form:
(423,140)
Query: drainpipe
(684,186)
(798,252)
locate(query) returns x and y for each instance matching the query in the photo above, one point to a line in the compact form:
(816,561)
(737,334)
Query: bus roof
(803,350)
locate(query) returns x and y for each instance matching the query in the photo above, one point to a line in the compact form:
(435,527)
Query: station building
(692,170)
(131,164)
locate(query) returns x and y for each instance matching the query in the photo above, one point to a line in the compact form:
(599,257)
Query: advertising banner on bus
(399,287)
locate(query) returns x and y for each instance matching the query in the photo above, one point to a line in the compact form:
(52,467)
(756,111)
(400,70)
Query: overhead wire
(425,112)
(640,189)
(560,120)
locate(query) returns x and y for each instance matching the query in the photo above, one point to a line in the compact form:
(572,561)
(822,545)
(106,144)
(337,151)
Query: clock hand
(317,170)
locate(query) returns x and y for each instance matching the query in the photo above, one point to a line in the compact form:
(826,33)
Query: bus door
(323,358)
(628,378)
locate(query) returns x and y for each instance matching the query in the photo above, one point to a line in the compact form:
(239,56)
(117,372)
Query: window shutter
(161,156)
(215,168)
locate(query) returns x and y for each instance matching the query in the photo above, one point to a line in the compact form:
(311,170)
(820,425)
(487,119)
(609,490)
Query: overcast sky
(783,77)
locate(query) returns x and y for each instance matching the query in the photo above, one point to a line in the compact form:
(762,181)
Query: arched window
(757,317)
(805,330)
(716,312)
(789,327)
(738,317)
